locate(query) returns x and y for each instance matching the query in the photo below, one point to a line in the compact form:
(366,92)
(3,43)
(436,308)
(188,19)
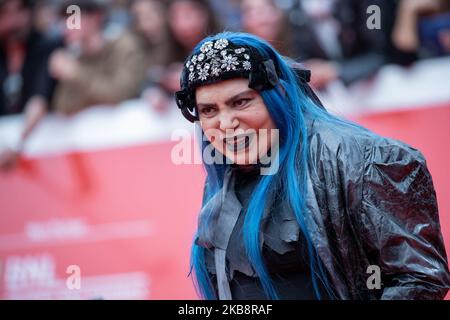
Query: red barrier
(126,217)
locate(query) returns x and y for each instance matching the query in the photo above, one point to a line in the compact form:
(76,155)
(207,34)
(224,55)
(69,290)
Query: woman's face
(235,120)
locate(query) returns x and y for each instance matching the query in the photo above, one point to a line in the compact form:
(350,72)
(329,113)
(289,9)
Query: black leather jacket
(371,201)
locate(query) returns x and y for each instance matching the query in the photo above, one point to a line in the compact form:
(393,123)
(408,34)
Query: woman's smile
(239,142)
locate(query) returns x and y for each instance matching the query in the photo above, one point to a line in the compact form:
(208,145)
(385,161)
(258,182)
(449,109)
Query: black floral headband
(220,60)
(214,59)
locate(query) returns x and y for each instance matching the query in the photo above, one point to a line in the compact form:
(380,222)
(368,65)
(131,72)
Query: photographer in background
(93,69)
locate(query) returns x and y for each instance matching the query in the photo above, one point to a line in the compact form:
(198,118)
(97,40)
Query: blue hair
(288,106)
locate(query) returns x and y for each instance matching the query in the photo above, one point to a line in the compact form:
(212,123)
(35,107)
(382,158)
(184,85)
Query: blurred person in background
(189,21)
(335,42)
(46,18)
(150,23)
(268,21)
(26,86)
(118,18)
(230,13)
(93,70)
(422,27)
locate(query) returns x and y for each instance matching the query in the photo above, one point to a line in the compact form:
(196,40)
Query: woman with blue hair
(299,204)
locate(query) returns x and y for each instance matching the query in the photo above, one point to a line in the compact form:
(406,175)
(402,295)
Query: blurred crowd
(134,49)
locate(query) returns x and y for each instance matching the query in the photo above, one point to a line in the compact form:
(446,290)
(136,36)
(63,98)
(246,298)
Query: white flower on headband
(221,44)
(247,65)
(211,53)
(203,74)
(215,62)
(229,62)
(215,71)
(206,47)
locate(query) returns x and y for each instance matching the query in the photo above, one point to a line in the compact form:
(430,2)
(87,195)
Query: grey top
(285,256)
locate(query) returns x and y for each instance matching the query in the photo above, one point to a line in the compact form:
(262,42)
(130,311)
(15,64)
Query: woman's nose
(228,121)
